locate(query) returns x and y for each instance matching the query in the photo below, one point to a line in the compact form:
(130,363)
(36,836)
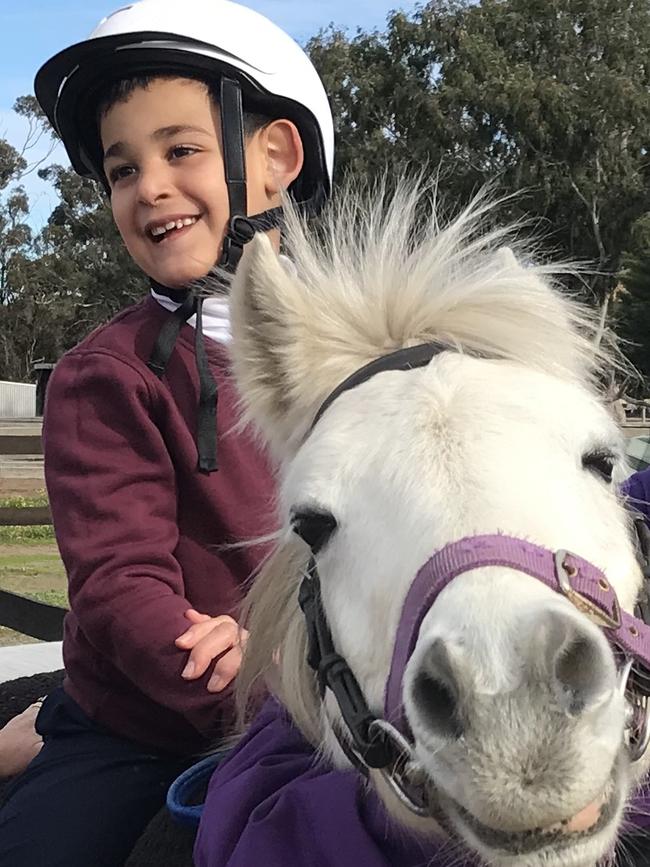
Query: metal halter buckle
(405,775)
(564,574)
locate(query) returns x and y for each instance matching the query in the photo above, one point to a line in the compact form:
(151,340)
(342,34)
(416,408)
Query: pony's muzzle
(559,653)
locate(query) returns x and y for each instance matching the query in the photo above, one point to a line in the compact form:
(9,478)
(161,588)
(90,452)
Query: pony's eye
(314,526)
(601,463)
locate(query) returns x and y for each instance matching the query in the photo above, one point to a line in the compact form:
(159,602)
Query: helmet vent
(116,12)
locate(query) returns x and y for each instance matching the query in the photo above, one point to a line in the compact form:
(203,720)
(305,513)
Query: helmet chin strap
(241,229)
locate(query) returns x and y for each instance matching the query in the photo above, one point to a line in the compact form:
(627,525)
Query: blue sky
(33,30)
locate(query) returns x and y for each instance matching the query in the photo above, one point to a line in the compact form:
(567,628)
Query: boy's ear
(284,155)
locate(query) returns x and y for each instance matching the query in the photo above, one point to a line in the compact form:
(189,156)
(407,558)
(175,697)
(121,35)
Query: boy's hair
(121,90)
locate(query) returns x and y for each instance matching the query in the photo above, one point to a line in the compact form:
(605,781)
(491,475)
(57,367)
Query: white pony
(511,728)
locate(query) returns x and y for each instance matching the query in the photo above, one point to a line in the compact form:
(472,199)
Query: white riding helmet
(208,38)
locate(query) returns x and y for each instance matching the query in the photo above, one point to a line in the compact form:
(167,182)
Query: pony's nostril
(436,695)
(579,662)
(581,674)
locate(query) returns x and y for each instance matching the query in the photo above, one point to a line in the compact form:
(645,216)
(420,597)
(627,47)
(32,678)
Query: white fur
(408,462)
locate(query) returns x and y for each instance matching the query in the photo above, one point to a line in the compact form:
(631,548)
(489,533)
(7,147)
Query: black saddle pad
(18,694)
(163,842)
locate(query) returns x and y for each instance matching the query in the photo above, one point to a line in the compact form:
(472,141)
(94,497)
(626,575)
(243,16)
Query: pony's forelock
(393,274)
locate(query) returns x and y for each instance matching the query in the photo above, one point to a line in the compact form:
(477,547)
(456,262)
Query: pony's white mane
(382,273)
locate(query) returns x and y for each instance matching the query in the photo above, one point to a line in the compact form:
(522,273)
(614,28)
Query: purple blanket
(272,804)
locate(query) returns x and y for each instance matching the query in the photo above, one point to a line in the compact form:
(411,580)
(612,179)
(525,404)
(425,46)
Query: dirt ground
(18,487)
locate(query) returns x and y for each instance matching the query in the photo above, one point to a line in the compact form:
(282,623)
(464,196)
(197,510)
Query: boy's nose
(153,184)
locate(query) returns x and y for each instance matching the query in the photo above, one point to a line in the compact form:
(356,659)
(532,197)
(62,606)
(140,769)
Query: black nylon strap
(234,163)
(334,673)
(402,359)
(166,340)
(267,220)
(206,434)
(32,618)
(232,134)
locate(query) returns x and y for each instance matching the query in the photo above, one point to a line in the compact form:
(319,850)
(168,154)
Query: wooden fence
(36,619)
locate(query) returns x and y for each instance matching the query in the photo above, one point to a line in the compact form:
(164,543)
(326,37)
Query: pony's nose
(573,656)
(437,692)
(558,650)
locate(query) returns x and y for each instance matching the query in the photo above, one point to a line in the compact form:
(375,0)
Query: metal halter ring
(637,724)
(639,734)
(405,775)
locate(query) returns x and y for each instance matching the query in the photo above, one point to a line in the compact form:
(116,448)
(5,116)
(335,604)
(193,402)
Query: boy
(151,106)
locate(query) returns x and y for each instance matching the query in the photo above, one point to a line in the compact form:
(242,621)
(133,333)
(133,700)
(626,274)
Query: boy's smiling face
(163,160)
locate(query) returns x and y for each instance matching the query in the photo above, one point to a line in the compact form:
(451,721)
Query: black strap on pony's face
(367,745)
(401,359)
(334,673)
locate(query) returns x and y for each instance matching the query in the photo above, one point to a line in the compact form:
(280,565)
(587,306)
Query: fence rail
(36,619)
(24,516)
(640,418)
(17,444)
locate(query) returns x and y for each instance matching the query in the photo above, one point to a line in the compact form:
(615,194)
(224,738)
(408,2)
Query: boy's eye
(179,151)
(119,173)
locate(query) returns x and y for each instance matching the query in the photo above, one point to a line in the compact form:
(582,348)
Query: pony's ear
(505,258)
(274,347)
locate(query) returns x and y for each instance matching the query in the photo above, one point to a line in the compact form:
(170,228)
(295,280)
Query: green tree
(633,307)
(549,97)
(73,276)
(15,240)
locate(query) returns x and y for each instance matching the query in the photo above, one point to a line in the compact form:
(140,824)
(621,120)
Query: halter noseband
(382,744)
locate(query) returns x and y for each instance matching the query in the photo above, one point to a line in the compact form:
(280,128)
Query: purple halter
(582,583)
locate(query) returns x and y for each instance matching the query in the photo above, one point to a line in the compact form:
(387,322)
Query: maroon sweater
(139,528)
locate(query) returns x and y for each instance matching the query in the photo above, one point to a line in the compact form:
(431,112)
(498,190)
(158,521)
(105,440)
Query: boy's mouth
(161,230)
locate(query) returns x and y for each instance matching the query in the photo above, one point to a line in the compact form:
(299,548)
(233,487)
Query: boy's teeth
(173,224)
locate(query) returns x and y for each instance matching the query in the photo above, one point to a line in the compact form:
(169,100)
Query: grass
(30,563)
(37,498)
(18,535)
(38,575)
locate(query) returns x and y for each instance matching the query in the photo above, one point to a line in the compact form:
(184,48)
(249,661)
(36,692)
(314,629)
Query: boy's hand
(210,638)
(19,742)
